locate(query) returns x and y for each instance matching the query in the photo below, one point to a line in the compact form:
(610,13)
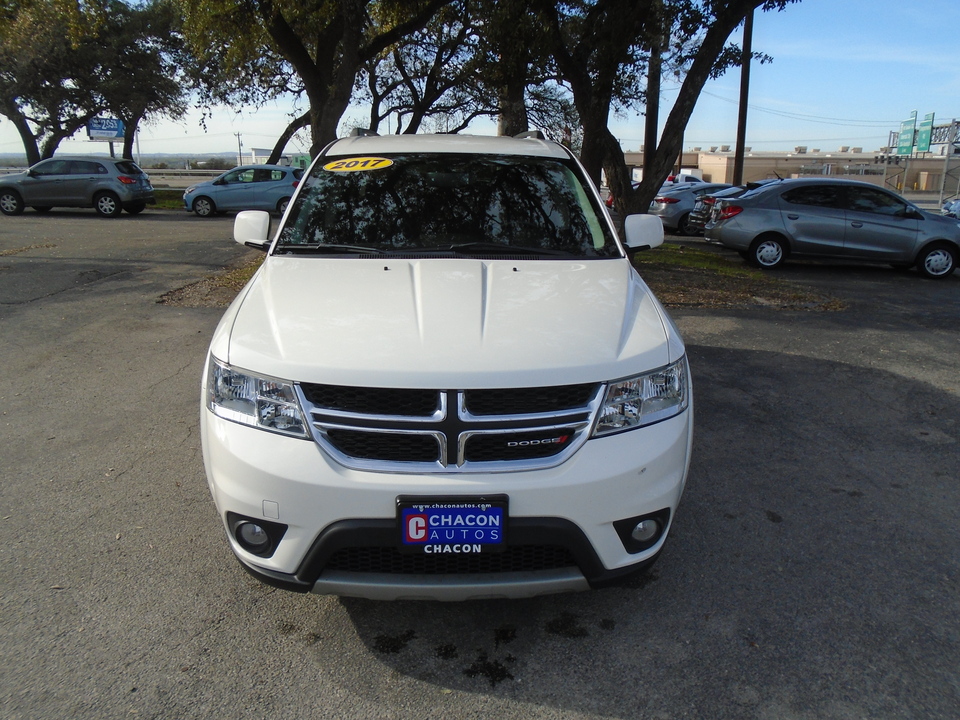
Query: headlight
(189,189)
(266,403)
(645,399)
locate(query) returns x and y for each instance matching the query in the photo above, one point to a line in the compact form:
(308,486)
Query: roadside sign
(105,130)
(907,131)
(924,133)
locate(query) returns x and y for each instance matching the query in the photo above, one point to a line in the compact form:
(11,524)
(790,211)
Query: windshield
(480,204)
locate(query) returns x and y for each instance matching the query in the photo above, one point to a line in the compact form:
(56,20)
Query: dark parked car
(108,185)
(248,187)
(673,205)
(842,219)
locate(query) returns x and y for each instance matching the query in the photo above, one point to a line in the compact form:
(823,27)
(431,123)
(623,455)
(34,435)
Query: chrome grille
(450,431)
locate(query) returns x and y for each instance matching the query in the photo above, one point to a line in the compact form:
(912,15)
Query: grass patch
(683,256)
(682,276)
(168,199)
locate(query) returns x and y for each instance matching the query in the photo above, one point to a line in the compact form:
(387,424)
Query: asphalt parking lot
(812,572)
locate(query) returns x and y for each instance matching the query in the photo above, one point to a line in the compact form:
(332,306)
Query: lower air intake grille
(522,558)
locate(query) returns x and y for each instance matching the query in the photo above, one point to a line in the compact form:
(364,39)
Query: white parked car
(446,381)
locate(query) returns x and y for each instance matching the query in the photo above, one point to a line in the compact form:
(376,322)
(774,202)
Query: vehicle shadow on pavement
(813,558)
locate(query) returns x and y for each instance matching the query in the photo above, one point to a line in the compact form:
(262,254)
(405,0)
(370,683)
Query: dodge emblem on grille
(546,441)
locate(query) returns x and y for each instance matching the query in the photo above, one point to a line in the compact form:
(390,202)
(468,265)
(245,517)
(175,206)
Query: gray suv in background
(843,219)
(108,185)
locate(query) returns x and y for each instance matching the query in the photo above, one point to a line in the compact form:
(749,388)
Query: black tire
(107,204)
(42,209)
(683,226)
(282,205)
(937,261)
(10,202)
(767,252)
(204,206)
(135,208)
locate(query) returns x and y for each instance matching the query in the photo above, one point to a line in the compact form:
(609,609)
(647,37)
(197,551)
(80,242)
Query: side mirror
(642,232)
(252,229)
(913,213)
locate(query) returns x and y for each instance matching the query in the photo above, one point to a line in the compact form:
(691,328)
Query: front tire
(107,204)
(767,252)
(204,206)
(10,203)
(937,261)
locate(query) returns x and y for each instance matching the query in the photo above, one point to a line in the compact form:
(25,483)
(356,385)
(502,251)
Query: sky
(844,73)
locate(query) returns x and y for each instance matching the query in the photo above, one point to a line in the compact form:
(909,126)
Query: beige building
(909,175)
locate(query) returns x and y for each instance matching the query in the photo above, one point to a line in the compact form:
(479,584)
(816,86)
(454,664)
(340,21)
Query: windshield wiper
(482,248)
(330,248)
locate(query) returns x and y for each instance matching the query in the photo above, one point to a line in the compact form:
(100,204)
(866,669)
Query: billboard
(105,130)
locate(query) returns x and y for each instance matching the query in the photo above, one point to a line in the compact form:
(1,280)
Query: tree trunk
(130,126)
(27,137)
(296,124)
(513,108)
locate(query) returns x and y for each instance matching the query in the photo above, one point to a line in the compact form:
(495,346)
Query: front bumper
(329,509)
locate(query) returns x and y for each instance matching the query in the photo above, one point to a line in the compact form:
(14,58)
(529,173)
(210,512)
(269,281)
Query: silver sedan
(673,205)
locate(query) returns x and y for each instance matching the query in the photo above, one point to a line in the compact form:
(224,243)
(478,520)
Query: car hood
(940,218)
(203,185)
(451,323)
(12,178)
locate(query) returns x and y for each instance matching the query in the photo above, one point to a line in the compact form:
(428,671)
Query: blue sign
(105,129)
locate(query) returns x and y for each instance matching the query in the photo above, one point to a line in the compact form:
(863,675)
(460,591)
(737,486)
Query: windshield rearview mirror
(642,232)
(252,228)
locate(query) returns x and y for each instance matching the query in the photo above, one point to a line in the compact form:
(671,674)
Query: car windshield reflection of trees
(424,203)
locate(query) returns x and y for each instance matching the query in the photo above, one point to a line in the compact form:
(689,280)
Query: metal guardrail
(169,177)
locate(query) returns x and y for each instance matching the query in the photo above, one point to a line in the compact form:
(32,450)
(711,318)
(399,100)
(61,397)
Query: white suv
(446,381)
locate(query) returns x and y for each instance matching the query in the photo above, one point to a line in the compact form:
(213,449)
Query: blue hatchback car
(248,187)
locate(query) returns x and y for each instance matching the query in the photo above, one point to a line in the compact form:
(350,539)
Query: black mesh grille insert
(520,401)
(517,446)
(373,401)
(393,447)
(518,558)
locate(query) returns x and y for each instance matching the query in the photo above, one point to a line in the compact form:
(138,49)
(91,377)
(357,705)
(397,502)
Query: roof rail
(536,134)
(363,132)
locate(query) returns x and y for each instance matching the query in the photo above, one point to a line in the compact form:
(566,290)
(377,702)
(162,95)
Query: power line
(811,118)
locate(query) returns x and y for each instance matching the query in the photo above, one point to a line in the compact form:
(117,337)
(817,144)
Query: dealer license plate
(452,525)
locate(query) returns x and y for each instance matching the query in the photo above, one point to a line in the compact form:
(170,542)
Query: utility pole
(239,150)
(744,95)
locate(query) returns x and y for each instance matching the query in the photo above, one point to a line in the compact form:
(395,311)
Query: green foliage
(114,58)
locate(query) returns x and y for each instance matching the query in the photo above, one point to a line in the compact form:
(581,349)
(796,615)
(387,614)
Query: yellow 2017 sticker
(358,164)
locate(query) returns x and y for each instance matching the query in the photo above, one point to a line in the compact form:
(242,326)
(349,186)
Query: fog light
(253,537)
(645,530)
(642,532)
